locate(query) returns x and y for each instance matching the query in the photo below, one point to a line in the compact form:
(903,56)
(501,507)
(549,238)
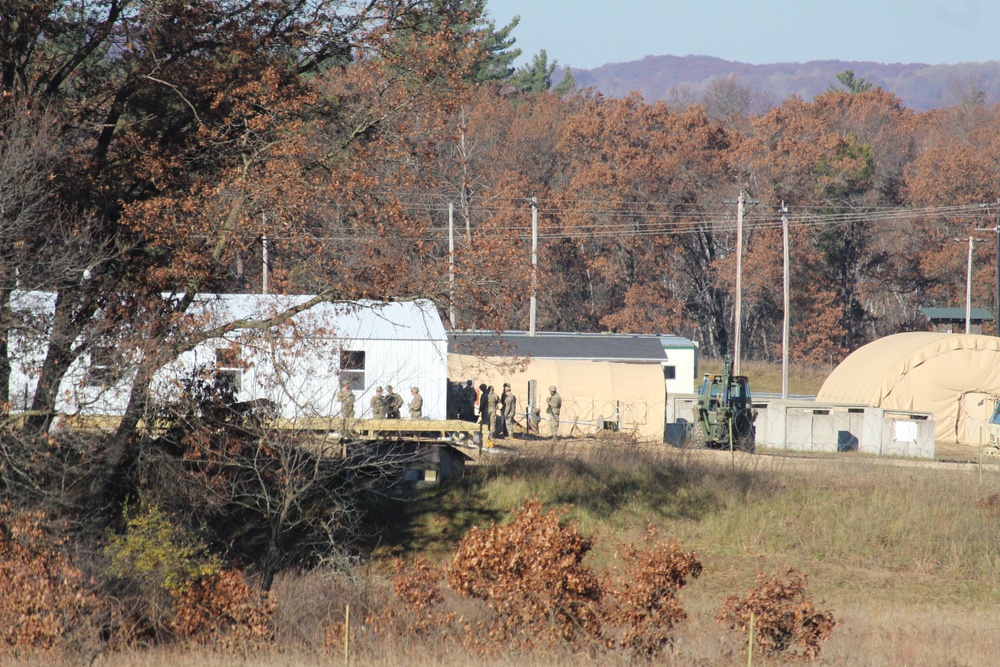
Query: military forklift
(724,416)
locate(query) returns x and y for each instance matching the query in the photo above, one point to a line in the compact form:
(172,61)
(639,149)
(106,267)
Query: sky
(589,33)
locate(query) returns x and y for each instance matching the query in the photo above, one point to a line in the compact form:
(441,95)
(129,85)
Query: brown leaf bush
(417,588)
(530,573)
(785,619)
(644,603)
(418,585)
(534,591)
(42,596)
(990,503)
(223,607)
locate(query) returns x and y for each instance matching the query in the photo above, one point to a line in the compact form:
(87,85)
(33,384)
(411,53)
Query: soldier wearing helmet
(553,407)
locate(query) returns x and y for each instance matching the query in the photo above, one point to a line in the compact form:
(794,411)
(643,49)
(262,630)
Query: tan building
(604,379)
(955,377)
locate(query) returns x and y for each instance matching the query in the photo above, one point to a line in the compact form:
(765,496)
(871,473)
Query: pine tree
(567,84)
(851,83)
(536,77)
(500,56)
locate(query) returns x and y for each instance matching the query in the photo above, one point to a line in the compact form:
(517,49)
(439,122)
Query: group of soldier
(498,412)
(383,405)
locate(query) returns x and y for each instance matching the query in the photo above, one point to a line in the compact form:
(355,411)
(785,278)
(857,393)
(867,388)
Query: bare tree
(28,154)
(269,491)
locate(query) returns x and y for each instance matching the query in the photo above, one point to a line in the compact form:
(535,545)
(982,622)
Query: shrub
(223,606)
(418,586)
(417,589)
(170,586)
(646,605)
(166,583)
(785,619)
(158,552)
(41,593)
(536,592)
(530,573)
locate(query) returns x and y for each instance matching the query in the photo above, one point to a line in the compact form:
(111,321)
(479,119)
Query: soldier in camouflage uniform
(468,402)
(509,403)
(492,409)
(378,404)
(346,398)
(393,402)
(416,405)
(554,407)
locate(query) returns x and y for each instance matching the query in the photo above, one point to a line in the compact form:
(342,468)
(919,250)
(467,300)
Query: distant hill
(686,78)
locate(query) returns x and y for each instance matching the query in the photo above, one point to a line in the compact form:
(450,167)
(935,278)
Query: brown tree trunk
(5,326)
(66,328)
(121,445)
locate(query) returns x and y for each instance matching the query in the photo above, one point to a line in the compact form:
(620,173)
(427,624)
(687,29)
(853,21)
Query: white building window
(352,368)
(103,371)
(228,369)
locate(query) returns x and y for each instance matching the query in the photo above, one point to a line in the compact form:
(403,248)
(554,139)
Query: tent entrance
(978,419)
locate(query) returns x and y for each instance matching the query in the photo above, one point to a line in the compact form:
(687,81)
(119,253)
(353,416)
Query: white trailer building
(298,364)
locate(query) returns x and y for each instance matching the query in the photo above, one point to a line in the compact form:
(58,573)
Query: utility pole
(263,243)
(739,281)
(451,264)
(785,328)
(996,268)
(968,292)
(742,202)
(968,285)
(534,264)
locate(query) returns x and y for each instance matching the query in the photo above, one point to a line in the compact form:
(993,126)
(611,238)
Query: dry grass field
(766,376)
(906,557)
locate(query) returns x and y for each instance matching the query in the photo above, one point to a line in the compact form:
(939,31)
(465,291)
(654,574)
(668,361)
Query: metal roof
(956,314)
(354,320)
(561,345)
(416,320)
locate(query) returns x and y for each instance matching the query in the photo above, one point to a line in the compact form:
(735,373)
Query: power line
(643,224)
(557,204)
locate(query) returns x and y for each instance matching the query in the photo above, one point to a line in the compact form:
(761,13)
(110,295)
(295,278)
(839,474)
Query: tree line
(148,148)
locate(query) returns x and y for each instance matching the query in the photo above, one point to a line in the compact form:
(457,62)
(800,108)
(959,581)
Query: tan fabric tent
(591,390)
(956,377)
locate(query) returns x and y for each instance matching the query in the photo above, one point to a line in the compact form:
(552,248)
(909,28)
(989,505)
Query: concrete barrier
(807,426)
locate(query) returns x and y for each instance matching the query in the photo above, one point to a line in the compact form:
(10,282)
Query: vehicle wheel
(696,440)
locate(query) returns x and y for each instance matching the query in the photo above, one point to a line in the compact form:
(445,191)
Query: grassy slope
(889,548)
(766,376)
(904,555)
